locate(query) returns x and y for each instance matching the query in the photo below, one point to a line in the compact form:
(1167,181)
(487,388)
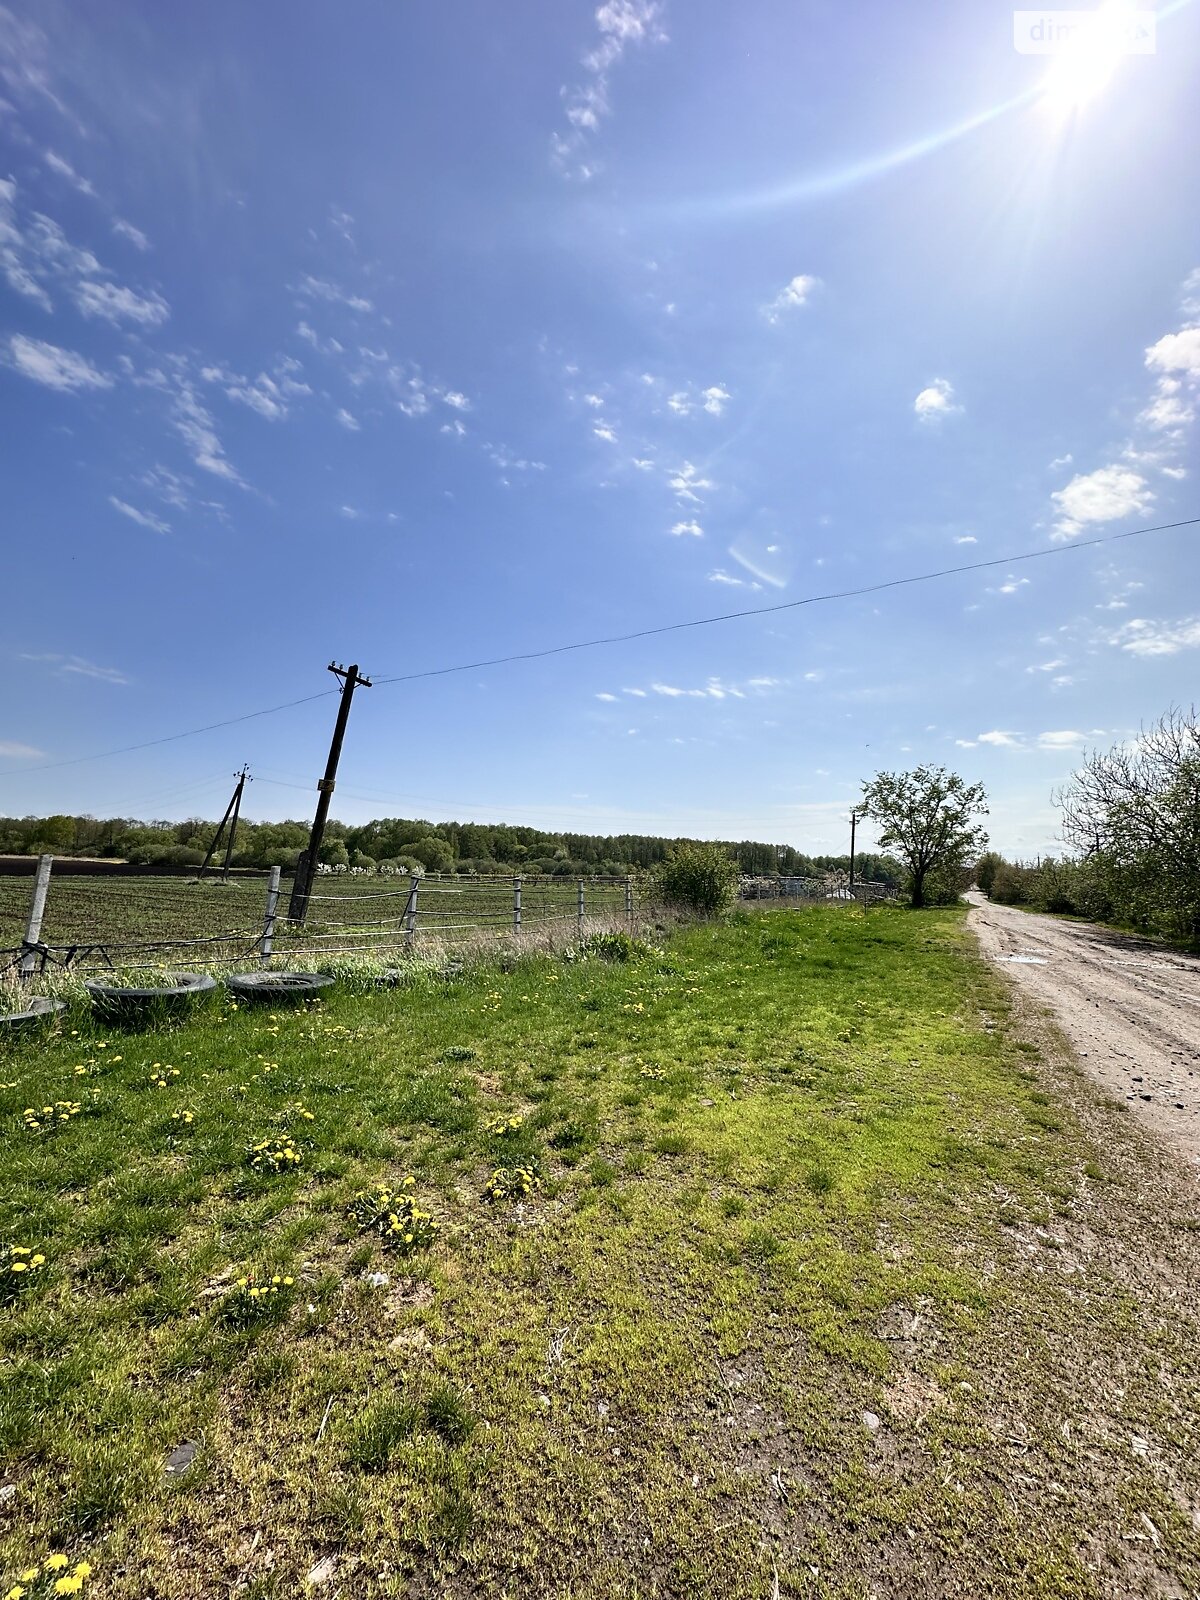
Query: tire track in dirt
(1130,1009)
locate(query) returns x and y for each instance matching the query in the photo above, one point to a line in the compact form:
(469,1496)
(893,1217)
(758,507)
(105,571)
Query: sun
(1087,60)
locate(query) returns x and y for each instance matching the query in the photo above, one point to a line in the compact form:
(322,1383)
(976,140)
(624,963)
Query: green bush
(697,877)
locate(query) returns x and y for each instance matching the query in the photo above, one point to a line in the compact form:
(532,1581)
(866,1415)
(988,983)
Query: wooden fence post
(268,933)
(629,901)
(410,912)
(579,907)
(516,905)
(37,909)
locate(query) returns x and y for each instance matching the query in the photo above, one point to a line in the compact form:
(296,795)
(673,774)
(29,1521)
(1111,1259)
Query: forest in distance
(398,843)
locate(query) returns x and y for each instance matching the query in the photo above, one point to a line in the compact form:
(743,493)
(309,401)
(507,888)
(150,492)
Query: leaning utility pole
(233,810)
(306,867)
(853,823)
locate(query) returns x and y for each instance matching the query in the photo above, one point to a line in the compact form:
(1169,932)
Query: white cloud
(350,513)
(195,427)
(348,420)
(719,575)
(1047,666)
(611,697)
(965,538)
(59,164)
(456,401)
(12,751)
(687,482)
(115,303)
(1106,495)
(603,431)
(126,230)
(54,367)
(144,519)
(643,463)
(1168,410)
(622,23)
(936,402)
(791,296)
(1061,461)
(1062,739)
(1176,352)
(1143,637)
(1012,585)
(593,400)
(77,666)
(322,289)
(693,528)
(456,428)
(714,399)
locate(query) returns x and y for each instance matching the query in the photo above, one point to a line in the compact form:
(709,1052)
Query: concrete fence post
(268,933)
(37,910)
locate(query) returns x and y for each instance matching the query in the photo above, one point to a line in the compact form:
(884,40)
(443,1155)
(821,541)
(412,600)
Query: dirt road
(1131,1009)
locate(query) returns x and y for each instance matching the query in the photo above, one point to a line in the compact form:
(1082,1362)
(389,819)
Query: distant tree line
(402,844)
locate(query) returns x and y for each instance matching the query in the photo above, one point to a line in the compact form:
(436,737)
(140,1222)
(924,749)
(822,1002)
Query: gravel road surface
(1130,1009)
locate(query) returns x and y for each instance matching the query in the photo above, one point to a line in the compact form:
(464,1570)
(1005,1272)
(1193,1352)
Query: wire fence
(85,925)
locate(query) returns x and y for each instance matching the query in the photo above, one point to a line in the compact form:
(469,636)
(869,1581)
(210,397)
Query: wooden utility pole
(306,867)
(232,810)
(853,824)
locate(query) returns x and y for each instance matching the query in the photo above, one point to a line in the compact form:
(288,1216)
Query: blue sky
(412,335)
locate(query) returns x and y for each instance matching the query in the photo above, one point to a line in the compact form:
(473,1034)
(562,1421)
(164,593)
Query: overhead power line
(788,605)
(639,633)
(169,738)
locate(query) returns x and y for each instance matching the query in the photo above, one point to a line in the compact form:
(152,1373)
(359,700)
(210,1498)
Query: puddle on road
(1025,961)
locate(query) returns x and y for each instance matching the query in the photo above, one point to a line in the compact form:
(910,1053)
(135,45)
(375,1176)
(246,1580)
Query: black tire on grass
(145,1006)
(37,1014)
(276,988)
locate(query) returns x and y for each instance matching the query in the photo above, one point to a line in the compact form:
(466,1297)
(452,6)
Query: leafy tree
(1134,815)
(433,852)
(986,868)
(697,877)
(927,816)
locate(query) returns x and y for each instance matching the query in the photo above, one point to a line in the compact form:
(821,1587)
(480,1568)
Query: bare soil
(1130,1009)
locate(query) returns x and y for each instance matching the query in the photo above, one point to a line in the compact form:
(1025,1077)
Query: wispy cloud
(135,236)
(1144,637)
(10,750)
(692,527)
(115,303)
(60,165)
(936,402)
(322,289)
(347,420)
(194,425)
(622,24)
(67,666)
(144,519)
(688,484)
(54,367)
(713,400)
(798,292)
(719,575)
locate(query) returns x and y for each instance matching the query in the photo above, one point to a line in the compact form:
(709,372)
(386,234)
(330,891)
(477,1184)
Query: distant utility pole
(853,825)
(306,867)
(232,810)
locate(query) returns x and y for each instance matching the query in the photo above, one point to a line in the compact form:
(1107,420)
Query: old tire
(114,1003)
(276,988)
(38,1013)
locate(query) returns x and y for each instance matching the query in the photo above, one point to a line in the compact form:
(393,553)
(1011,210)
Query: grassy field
(131,913)
(813,1271)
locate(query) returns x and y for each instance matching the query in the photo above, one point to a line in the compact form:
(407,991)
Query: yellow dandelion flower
(56,1563)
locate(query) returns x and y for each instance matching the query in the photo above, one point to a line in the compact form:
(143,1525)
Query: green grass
(792,1170)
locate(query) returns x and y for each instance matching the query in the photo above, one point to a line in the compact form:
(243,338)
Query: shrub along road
(1130,1008)
(794,1259)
